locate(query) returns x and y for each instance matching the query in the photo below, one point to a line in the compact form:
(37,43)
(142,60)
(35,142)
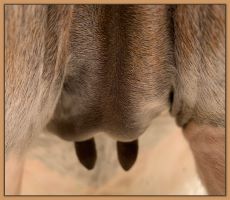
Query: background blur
(165,166)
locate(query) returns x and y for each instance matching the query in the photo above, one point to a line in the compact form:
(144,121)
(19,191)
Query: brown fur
(116,68)
(113,68)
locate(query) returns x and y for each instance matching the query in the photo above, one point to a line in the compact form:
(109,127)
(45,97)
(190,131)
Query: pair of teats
(87,154)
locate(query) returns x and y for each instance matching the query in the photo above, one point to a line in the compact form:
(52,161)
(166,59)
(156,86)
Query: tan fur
(35,55)
(208,146)
(113,68)
(199,100)
(35,59)
(200,63)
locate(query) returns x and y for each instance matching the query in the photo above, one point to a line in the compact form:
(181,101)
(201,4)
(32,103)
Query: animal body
(80,69)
